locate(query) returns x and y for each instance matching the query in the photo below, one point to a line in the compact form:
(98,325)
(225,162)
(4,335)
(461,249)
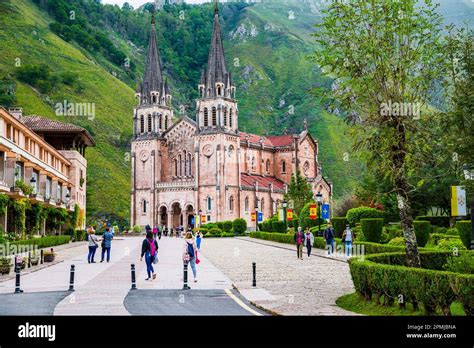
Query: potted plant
(24,262)
(48,256)
(34,259)
(5,265)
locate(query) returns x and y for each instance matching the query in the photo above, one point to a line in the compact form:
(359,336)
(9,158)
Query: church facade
(183,168)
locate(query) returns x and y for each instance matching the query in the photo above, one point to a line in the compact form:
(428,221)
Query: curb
(266,310)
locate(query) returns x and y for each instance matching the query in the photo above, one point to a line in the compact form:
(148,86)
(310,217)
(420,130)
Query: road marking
(240,303)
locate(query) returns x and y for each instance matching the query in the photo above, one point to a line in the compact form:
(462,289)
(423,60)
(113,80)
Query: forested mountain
(85,51)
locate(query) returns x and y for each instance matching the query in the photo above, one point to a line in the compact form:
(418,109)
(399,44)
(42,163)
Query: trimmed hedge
(354,215)
(436,237)
(339,225)
(278,226)
(227,226)
(422,232)
(464,230)
(372,229)
(239,225)
(215,231)
(202,229)
(441,221)
(43,242)
(385,275)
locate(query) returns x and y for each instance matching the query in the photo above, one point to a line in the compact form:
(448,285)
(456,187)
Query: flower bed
(386,275)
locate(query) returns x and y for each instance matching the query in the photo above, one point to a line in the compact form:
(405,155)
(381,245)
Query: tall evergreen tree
(299,191)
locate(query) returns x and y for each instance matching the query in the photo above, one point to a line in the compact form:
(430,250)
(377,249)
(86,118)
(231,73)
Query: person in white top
(348,239)
(93,242)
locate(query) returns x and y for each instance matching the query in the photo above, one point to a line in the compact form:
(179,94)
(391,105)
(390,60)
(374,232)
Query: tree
(299,192)
(385,56)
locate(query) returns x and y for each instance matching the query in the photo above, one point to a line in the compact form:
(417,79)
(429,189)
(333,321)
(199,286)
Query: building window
(262,205)
(190,163)
(209,203)
(160,123)
(48,188)
(219,90)
(267,166)
(180,165)
(225,117)
(154,99)
(253,163)
(246,204)
(144,206)
(142,124)
(206,117)
(230,118)
(283,166)
(18,171)
(214,116)
(306,168)
(231,203)
(166,122)
(175,167)
(149,124)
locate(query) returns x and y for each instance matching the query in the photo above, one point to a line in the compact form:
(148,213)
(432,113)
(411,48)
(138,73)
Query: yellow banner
(458,201)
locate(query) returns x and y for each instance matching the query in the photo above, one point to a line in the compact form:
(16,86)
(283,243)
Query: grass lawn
(356,303)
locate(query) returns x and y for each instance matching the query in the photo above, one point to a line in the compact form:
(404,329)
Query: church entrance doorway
(190,216)
(163,216)
(177,216)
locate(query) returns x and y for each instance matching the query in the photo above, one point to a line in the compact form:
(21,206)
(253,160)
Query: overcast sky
(137,3)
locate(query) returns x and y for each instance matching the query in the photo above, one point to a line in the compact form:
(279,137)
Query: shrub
(339,225)
(304,219)
(267,225)
(372,229)
(394,231)
(227,234)
(422,232)
(400,241)
(440,221)
(372,277)
(278,226)
(210,225)
(220,225)
(227,226)
(436,237)
(354,215)
(202,229)
(464,230)
(464,263)
(452,231)
(137,229)
(451,244)
(216,232)
(239,226)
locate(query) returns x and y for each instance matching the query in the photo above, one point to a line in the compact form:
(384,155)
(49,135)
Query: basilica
(186,170)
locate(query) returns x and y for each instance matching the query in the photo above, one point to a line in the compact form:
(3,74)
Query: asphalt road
(188,302)
(31,303)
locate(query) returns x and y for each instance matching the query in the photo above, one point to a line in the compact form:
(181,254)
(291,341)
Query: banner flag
(458,201)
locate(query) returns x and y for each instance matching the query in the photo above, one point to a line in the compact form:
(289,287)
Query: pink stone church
(183,168)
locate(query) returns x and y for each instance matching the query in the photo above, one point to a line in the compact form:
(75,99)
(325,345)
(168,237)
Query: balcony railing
(176,184)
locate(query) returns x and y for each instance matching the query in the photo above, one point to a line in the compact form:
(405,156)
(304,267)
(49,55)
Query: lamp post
(319,199)
(469,175)
(256,218)
(285,205)
(200,213)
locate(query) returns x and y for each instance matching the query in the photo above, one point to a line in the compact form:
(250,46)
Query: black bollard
(41,256)
(185,277)
(29,259)
(134,282)
(17,278)
(71,278)
(254,268)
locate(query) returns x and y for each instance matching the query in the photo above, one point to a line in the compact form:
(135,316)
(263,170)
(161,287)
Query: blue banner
(325,211)
(260,217)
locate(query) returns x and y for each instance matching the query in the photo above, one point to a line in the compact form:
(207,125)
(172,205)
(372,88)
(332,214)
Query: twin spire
(215,74)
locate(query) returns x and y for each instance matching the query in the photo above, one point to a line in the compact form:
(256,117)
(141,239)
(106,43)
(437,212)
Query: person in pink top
(299,240)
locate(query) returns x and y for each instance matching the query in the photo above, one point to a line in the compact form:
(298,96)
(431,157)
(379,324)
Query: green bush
(436,237)
(278,226)
(339,225)
(137,229)
(267,225)
(354,215)
(227,226)
(463,263)
(464,230)
(220,224)
(452,232)
(202,229)
(372,229)
(432,288)
(441,221)
(422,232)
(227,234)
(215,231)
(394,231)
(400,241)
(305,221)
(239,226)
(451,244)
(210,225)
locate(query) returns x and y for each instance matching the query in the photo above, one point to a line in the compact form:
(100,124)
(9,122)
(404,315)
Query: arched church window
(231,203)
(206,117)
(175,167)
(225,117)
(149,124)
(160,123)
(262,205)
(267,166)
(306,168)
(253,163)
(219,90)
(230,118)
(246,204)
(142,124)
(214,116)
(190,162)
(185,160)
(166,122)
(209,203)
(283,166)
(154,99)
(180,165)
(144,207)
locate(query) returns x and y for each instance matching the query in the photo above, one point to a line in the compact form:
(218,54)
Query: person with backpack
(198,239)
(299,240)
(328,236)
(106,244)
(189,253)
(150,251)
(348,238)
(308,241)
(93,242)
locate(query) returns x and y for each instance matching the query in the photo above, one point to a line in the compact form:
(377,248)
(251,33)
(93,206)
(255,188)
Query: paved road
(33,303)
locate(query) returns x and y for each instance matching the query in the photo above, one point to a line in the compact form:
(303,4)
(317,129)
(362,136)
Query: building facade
(205,166)
(45,154)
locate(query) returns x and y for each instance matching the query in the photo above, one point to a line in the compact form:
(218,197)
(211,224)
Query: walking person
(348,239)
(328,235)
(159,232)
(165,230)
(106,244)
(198,239)
(299,239)
(150,251)
(189,253)
(308,241)
(93,242)
(155,232)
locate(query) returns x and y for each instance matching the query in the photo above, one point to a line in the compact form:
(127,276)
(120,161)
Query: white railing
(175,184)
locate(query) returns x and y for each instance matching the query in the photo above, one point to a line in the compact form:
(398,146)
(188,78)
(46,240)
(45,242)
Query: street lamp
(256,218)
(319,199)
(469,175)
(285,205)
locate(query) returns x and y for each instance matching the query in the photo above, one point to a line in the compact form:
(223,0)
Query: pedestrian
(159,232)
(328,235)
(308,241)
(93,242)
(106,244)
(150,251)
(299,239)
(155,232)
(348,238)
(198,239)
(189,253)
